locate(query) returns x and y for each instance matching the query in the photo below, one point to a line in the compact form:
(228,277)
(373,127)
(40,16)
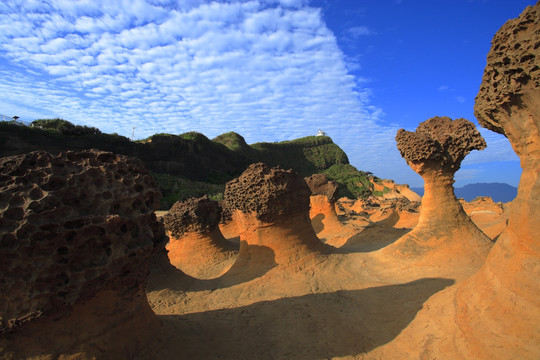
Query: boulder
(77,232)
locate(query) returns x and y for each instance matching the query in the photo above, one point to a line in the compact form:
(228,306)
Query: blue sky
(270,70)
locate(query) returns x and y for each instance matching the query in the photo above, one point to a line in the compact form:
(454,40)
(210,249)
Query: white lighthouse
(321,133)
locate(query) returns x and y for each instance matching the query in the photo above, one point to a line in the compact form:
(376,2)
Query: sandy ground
(348,304)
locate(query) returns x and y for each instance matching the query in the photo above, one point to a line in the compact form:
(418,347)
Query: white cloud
(359,31)
(268,69)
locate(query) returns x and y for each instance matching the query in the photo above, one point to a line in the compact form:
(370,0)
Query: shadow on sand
(372,238)
(314,326)
(252,262)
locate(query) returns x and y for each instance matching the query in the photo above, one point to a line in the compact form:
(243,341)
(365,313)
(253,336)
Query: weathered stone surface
(193,215)
(494,314)
(71,225)
(270,208)
(511,80)
(268,192)
(320,185)
(435,151)
(440,140)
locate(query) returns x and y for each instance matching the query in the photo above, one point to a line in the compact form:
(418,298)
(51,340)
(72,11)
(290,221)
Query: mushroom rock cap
(268,192)
(511,80)
(320,185)
(73,224)
(193,215)
(440,140)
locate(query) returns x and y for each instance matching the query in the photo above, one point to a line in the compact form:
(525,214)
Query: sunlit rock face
(320,185)
(324,219)
(75,227)
(196,245)
(503,298)
(444,231)
(270,207)
(495,313)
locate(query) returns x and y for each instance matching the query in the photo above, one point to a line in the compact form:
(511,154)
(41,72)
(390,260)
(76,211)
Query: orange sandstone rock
(444,232)
(495,313)
(324,195)
(196,245)
(503,298)
(271,208)
(77,232)
(489,216)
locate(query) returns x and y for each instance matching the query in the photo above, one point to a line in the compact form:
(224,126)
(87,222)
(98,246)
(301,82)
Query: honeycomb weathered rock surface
(440,140)
(193,215)
(71,225)
(268,192)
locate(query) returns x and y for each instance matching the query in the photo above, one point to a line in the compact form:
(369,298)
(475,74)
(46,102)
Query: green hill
(190,164)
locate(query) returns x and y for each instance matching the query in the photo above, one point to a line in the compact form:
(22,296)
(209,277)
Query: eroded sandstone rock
(495,313)
(73,225)
(324,219)
(503,298)
(320,185)
(270,207)
(196,245)
(193,215)
(268,193)
(435,151)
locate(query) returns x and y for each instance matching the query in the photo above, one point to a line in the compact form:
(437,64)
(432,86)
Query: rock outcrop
(495,313)
(444,232)
(270,207)
(503,298)
(77,232)
(196,245)
(489,216)
(324,219)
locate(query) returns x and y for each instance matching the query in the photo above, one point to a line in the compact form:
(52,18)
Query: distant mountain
(499,192)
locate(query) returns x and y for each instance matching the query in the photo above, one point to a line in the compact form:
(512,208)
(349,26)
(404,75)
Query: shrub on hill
(352,182)
(177,188)
(64,127)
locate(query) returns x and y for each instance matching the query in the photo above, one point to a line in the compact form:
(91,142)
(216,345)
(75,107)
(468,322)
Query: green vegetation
(352,182)
(176,188)
(63,127)
(190,164)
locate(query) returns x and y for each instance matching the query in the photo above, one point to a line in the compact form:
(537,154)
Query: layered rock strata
(271,209)
(77,232)
(196,245)
(444,231)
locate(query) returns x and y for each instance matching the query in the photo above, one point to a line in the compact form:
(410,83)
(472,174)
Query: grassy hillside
(190,164)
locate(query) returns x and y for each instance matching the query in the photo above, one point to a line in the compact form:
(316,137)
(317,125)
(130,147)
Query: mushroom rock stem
(270,208)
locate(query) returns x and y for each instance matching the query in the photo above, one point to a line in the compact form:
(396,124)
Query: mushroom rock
(444,233)
(324,219)
(503,298)
(271,209)
(78,230)
(495,313)
(196,245)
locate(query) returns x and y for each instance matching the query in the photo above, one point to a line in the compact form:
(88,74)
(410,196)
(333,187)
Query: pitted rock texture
(441,141)
(511,78)
(72,224)
(268,192)
(193,215)
(320,185)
